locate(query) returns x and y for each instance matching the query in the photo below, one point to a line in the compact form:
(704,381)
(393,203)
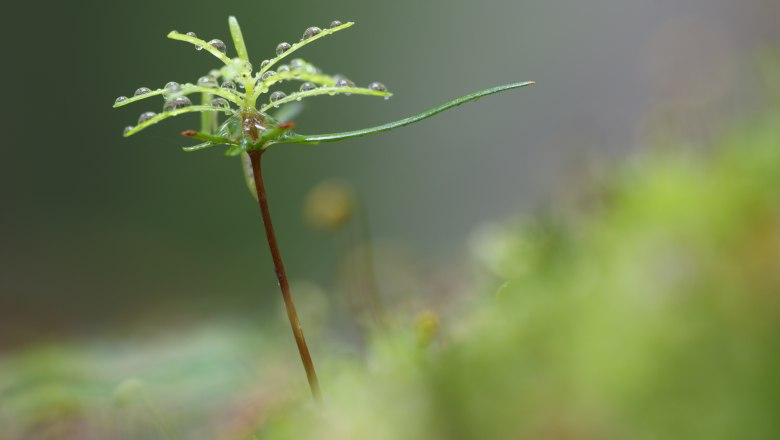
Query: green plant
(248,130)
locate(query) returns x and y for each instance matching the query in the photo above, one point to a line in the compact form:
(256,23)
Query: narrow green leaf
(238,38)
(325,91)
(332,137)
(199,147)
(187,89)
(133,99)
(200,43)
(169,114)
(316,78)
(300,44)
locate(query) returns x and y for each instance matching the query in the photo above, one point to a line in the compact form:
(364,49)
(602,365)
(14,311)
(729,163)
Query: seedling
(248,131)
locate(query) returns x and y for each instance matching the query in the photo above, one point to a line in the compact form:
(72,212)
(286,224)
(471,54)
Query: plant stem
(281,276)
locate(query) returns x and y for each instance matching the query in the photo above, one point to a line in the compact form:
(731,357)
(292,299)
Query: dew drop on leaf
(120,99)
(191,34)
(229,85)
(141,91)
(219,45)
(173,87)
(307,86)
(264,63)
(207,81)
(268,74)
(297,63)
(127,129)
(275,96)
(343,82)
(335,23)
(377,86)
(219,102)
(146,116)
(310,32)
(282,48)
(283,68)
(177,103)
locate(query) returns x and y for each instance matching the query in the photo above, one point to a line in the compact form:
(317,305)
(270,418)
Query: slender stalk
(281,276)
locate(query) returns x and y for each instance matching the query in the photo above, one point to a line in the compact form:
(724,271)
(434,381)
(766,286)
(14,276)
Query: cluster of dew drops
(173,99)
(172,91)
(296,64)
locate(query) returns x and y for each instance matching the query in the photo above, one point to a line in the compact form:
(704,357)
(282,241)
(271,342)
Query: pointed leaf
(199,147)
(133,99)
(324,91)
(332,137)
(187,89)
(169,114)
(238,38)
(300,44)
(200,43)
(295,75)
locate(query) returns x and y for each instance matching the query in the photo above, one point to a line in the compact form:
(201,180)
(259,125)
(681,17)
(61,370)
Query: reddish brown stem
(281,276)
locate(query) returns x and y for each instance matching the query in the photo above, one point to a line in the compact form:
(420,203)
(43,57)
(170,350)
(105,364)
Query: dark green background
(98,230)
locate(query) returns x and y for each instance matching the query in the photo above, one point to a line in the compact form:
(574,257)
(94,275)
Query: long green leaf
(187,89)
(300,44)
(200,43)
(169,114)
(297,75)
(332,137)
(297,96)
(238,38)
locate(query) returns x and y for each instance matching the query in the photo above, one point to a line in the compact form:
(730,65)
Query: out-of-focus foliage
(656,317)
(653,315)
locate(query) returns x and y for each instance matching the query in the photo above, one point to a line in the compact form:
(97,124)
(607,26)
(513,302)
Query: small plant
(249,130)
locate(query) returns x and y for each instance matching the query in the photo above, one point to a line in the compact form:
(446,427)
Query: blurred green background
(97,229)
(124,258)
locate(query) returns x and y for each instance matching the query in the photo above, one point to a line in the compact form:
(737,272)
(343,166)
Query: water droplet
(219,102)
(177,103)
(229,85)
(377,86)
(174,31)
(335,23)
(305,87)
(282,48)
(297,63)
(120,99)
(215,73)
(268,74)
(264,63)
(310,32)
(173,87)
(207,81)
(191,34)
(219,45)
(275,96)
(283,68)
(127,129)
(141,91)
(145,117)
(343,82)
